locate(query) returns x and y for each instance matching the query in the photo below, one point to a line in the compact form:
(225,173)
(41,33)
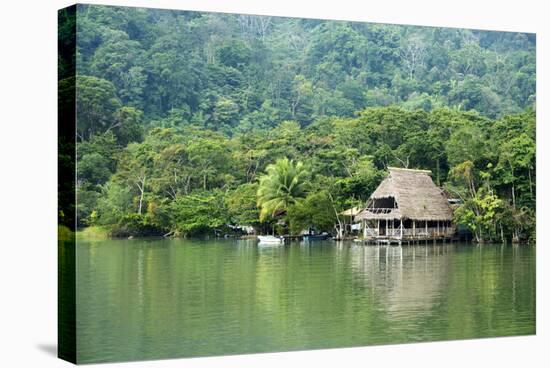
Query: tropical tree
(282,186)
(480,208)
(200,213)
(480,214)
(316,210)
(96,105)
(241,204)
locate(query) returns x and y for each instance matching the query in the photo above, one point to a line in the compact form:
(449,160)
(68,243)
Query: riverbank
(104,233)
(94,233)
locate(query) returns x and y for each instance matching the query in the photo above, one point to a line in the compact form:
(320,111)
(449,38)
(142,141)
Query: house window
(388,202)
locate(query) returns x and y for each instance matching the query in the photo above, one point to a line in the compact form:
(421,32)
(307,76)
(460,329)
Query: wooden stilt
(426,229)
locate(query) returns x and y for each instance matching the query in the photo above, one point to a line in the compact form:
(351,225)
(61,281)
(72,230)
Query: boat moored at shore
(270,239)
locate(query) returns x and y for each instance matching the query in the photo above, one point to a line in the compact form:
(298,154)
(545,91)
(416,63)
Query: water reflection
(165,298)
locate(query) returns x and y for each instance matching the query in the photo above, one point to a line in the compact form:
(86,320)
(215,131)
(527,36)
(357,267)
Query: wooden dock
(408,240)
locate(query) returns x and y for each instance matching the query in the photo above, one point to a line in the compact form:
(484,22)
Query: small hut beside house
(347,226)
(406,207)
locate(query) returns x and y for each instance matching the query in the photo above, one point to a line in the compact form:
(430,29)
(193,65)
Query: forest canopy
(181,114)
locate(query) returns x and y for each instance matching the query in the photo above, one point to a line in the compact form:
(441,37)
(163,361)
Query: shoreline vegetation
(100,233)
(191,181)
(192,124)
(94,233)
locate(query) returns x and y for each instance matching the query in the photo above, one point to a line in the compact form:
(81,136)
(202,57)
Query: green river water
(149,299)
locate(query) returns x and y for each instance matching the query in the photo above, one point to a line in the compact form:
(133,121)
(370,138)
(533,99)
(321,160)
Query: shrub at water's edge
(93,233)
(64,233)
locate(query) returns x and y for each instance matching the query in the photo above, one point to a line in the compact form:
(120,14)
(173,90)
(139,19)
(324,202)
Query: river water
(149,299)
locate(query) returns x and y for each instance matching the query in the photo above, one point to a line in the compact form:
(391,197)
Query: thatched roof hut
(407,194)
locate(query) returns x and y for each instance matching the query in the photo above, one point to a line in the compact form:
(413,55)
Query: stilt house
(407,206)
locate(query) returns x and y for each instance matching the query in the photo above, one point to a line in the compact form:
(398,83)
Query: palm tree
(281,186)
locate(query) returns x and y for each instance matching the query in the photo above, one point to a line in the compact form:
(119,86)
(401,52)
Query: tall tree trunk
(141,186)
(515,236)
(513,196)
(187,184)
(340,227)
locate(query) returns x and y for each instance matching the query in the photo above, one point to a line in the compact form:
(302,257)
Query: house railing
(418,232)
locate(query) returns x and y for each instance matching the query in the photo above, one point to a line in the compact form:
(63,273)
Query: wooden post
(387,234)
(414,228)
(437,227)
(378,225)
(401,235)
(364,229)
(426,229)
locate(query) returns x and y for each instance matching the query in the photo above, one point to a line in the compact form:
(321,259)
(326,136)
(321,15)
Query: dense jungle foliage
(183,116)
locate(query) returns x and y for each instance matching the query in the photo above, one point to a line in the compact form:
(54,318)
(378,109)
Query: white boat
(269,239)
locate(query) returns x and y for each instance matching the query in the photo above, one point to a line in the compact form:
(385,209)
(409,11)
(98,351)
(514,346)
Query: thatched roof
(416,195)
